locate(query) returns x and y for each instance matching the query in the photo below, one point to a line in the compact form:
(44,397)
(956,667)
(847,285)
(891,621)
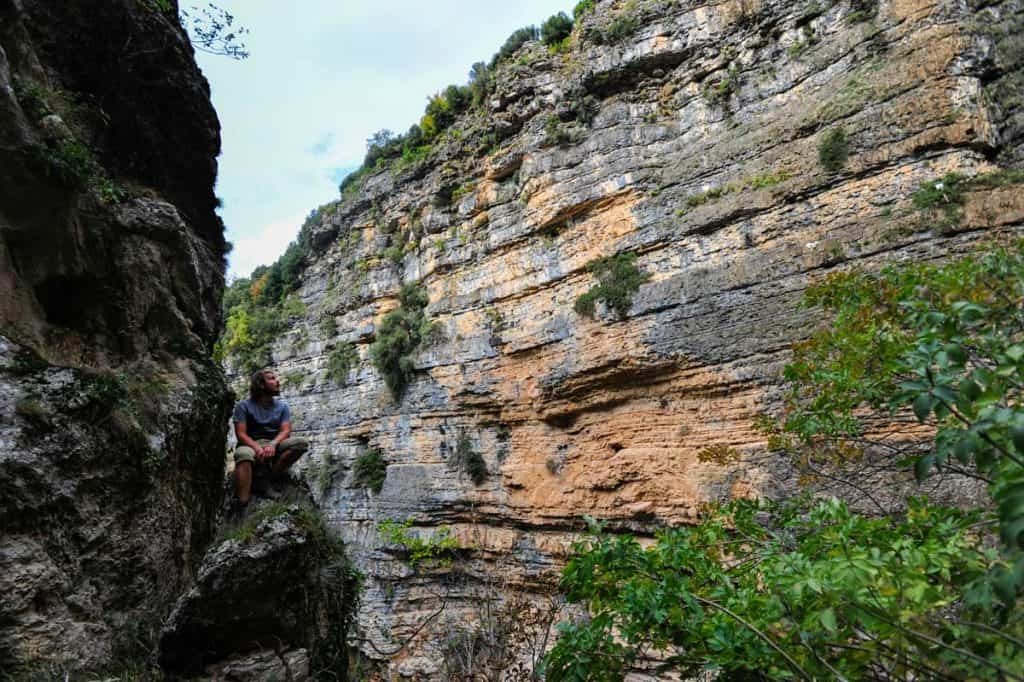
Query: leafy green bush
(618,30)
(556,29)
(400,335)
(370,470)
(515,41)
(942,340)
(833,150)
(328,327)
(582,8)
(33,98)
(341,361)
(810,589)
(618,279)
(719,94)
(555,134)
(468,459)
(69,162)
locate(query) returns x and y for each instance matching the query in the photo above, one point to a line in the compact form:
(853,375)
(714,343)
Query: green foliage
(434,550)
(326,473)
(341,361)
(719,94)
(33,98)
(32,410)
(328,327)
(556,29)
(515,41)
(111,192)
(399,336)
(69,162)
(618,279)
(620,28)
(555,134)
(833,150)
(370,470)
(948,194)
(802,591)
(583,8)
(813,590)
(258,308)
(943,340)
(468,459)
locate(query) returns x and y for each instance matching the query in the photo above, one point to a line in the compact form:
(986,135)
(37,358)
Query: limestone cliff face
(689,136)
(111,262)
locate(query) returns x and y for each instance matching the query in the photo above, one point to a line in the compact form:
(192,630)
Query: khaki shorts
(243,453)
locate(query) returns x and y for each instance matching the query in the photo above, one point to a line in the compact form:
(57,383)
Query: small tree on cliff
(816,591)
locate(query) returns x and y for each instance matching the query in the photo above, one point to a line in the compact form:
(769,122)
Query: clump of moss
(618,280)
(833,150)
(370,470)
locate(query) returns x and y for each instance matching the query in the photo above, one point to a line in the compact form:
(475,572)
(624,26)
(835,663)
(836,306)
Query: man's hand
(266,452)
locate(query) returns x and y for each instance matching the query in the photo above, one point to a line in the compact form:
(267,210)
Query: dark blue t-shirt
(261,422)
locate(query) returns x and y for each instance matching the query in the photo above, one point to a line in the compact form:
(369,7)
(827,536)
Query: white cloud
(264,245)
(322,78)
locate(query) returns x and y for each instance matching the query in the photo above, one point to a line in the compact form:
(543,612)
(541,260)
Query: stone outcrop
(262,602)
(685,133)
(111,268)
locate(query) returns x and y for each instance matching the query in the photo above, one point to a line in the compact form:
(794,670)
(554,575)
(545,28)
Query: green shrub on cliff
(400,335)
(341,361)
(556,29)
(833,150)
(618,280)
(69,162)
(370,470)
(468,459)
(583,8)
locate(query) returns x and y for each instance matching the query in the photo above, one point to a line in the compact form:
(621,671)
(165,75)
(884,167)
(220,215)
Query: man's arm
(282,435)
(241,432)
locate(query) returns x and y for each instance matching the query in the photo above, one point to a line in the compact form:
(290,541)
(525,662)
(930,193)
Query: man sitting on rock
(263,425)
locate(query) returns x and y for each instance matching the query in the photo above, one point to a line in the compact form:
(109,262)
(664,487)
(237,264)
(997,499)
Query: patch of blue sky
(322,77)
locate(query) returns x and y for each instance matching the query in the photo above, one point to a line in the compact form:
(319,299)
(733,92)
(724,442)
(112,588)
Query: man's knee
(243,453)
(296,446)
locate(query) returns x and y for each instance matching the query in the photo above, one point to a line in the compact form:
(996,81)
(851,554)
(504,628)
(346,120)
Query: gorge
(572,298)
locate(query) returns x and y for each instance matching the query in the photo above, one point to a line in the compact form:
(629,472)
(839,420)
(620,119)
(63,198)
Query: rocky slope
(695,136)
(111,262)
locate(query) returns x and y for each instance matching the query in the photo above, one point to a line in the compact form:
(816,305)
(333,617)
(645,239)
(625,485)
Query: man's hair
(258,385)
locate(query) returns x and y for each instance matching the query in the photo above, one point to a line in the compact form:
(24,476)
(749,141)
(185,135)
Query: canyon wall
(695,136)
(111,273)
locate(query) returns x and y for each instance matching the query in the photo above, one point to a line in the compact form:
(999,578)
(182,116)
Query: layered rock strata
(111,262)
(689,134)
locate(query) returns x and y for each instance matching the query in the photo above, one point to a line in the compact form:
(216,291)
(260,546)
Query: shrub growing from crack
(469,459)
(341,361)
(618,280)
(401,333)
(833,150)
(370,470)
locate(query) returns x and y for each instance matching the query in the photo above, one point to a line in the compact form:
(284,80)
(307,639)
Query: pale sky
(322,77)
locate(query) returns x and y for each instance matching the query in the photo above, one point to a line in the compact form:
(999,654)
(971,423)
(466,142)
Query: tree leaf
(923,406)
